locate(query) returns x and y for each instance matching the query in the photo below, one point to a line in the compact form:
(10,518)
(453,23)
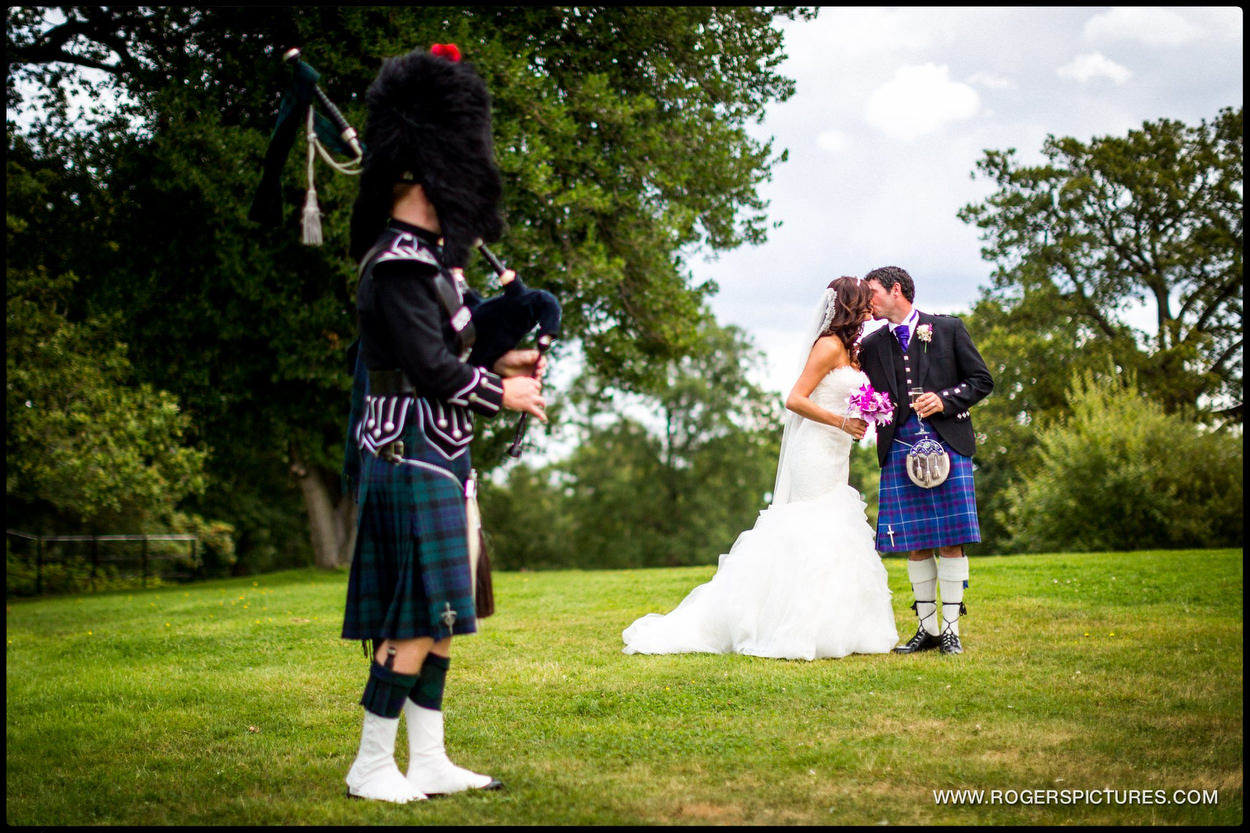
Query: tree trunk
(331,516)
(345,514)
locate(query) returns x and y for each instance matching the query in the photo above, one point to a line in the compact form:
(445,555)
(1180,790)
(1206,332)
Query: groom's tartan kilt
(920,519)
(411,562)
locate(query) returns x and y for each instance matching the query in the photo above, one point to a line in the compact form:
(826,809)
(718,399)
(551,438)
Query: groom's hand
(928,404)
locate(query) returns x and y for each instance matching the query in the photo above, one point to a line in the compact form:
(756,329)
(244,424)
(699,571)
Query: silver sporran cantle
(928,464)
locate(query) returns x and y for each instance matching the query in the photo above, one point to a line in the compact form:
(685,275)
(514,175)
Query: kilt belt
(448,427)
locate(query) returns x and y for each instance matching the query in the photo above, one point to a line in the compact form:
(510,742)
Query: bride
(806,582)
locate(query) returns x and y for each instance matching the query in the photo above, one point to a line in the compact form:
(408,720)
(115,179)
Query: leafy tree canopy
(84,442)
(1153,217)
(620,132)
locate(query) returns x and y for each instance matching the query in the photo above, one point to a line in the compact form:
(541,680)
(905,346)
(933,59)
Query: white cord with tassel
(310,222)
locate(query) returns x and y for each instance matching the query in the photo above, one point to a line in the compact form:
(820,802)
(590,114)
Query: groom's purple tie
(902,333)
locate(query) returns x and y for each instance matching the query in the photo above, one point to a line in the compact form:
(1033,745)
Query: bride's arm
(827,353)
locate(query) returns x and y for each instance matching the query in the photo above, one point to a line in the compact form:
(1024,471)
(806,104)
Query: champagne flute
(912,395)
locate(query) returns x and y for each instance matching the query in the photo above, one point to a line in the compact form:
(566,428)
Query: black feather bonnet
(429,123)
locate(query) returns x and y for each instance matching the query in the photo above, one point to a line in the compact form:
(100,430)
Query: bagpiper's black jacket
(404,325)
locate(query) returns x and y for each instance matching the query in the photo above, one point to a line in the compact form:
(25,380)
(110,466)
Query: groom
(933,352)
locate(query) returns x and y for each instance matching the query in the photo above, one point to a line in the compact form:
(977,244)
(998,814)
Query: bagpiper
(429,192)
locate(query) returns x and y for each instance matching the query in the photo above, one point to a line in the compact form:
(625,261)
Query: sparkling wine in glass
(912,395)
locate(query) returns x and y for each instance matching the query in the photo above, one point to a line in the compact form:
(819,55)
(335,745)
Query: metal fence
(102,554)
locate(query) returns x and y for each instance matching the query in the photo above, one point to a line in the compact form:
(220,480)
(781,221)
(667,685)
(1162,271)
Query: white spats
(374,774)
(429,769)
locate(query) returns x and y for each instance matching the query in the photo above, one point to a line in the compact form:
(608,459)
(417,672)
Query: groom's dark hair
(887,276)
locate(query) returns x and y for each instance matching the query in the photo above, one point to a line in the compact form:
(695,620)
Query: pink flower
(873,406)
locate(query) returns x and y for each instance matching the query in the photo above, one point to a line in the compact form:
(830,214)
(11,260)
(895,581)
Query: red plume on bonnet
(446,50)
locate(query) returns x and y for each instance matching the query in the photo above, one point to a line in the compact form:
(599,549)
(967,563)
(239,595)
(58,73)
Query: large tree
(699,464)
(672,481)
(620,132)
(87,448)
(1032,348)
(1151,218)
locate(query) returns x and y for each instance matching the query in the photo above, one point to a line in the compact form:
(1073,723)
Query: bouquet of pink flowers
(873,406)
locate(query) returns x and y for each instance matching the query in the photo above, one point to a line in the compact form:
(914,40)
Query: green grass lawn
(235,703)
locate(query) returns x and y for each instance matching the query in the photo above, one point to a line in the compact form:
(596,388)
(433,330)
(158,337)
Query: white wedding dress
(806,582)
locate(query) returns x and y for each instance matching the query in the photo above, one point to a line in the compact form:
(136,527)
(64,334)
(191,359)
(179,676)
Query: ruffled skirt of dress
(805,582)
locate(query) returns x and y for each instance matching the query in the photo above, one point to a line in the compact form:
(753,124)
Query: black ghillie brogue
(922,641)
(950,643)
(949,639)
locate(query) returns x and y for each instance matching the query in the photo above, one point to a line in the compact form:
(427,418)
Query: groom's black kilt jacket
(947,364)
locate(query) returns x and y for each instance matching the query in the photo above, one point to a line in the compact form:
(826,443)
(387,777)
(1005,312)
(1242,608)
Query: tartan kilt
(411,562)
(920,519)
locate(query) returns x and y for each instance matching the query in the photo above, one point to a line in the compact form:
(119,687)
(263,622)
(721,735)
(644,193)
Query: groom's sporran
(928,464)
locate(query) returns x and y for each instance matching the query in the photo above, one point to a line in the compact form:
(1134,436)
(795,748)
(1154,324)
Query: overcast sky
(895,106)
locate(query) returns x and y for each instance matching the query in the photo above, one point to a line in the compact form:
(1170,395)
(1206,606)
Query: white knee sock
(923,575)
(952,573)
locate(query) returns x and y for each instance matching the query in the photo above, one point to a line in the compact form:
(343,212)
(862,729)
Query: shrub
(1121,474)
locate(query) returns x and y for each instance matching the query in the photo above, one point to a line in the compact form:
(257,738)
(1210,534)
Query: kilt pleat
(410,570)
(912,518)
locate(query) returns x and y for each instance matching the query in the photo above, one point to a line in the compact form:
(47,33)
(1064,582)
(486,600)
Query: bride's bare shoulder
(833,353)
(831,344)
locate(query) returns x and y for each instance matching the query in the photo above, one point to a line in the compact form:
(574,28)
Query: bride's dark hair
(854,299)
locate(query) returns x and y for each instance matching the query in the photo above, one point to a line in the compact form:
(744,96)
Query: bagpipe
(501,322)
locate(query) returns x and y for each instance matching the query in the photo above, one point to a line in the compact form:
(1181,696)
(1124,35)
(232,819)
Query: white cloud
(991,81)
(856,32)
(1223,23)
(833,141)
(919,100)
(1147,26)
(1085,68)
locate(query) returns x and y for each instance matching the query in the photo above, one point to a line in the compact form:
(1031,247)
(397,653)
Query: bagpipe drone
(500,323)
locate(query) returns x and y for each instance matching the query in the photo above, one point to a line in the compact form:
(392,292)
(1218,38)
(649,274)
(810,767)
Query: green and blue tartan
(410,571)
(920,519)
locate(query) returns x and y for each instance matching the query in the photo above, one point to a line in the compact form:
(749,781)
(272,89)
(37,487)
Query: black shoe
(950,643)
(922,641)
(495,784)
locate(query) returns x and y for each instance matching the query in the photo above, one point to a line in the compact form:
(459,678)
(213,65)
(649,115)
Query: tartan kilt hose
(919,519)
(410,570)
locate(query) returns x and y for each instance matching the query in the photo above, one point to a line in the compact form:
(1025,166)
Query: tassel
(483,587)
(473,525)
(479,560)
(310,221)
